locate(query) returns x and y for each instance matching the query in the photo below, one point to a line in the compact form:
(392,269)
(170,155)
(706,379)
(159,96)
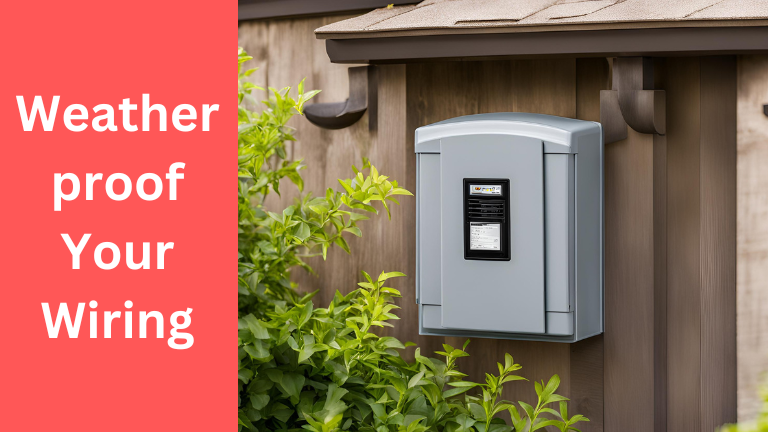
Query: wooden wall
(752,232)
(630,282)
(701,282)
(667,359)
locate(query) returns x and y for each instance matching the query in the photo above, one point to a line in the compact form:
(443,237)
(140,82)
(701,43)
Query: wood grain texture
(701,110)
(629,284)
(254,38)
(752,232)
(683,277)
(660,354)
(718,241)
(587,383)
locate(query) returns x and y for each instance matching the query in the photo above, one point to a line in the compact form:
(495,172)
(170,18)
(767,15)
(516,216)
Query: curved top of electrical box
(559,134)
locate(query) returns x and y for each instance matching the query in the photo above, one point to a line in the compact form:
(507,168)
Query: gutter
(676,41)
(266,9)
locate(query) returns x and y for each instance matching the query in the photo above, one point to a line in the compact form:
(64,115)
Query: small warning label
(484,236)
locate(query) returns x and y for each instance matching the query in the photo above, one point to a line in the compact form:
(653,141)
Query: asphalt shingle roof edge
(443,17)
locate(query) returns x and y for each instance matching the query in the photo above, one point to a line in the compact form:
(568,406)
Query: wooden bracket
(632,102)
(339,115)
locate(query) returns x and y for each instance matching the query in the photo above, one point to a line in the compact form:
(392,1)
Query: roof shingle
(447,16)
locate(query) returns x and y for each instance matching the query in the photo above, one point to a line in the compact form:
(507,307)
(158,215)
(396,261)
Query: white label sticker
(484,236)
(485,189)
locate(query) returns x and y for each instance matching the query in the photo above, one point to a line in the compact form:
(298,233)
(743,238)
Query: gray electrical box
(509,237)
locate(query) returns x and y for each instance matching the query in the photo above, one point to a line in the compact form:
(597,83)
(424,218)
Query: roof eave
(659,41)
(537,28)
(270,9)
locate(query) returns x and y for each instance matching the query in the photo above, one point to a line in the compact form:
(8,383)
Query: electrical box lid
(559,135)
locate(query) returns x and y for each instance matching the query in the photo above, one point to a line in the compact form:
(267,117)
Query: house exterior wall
(666,360)
(752,233)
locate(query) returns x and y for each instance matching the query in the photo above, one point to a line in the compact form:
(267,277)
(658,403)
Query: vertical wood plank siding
(718,241)
(684,236)
(667,359)
(701,167)
(629,289)
(660,294)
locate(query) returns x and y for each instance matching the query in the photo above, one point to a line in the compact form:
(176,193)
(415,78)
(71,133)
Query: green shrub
(324,369)
(271,244)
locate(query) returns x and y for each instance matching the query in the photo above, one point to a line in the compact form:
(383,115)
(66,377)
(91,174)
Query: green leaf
(259,401)
(463,384)
(257,351)
(343,244)
(555,398)
(292,384)
(552,385)
(455,391)
(244,375)
(415,379)
(257,327)
(334,407)
(542,423)
(347,185)
(578,418)
(384,276)
(302,231)
(527,408)
(354,230)
(509,378)
(243,420)
(276,217)
(465,423)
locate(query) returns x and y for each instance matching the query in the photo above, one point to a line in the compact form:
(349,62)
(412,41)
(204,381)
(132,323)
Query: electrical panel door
(509,227)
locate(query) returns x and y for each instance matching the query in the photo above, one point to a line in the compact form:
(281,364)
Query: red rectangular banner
(118,297)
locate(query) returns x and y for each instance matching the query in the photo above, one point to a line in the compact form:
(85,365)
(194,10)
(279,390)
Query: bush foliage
(301,367)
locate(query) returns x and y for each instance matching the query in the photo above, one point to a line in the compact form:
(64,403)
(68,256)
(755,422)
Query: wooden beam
(718,241)
(660,357)
(629,284)
(682,83)
(636,289)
